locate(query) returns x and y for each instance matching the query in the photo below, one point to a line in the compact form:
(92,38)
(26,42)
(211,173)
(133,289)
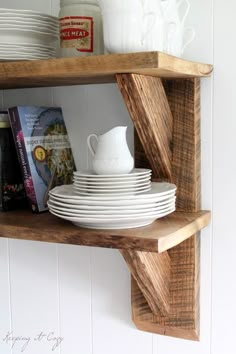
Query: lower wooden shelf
(160,236)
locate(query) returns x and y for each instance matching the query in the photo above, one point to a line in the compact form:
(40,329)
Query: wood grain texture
(152,274)
(184,101)
(157,237)
(147,104)
(183,320)
(96,69)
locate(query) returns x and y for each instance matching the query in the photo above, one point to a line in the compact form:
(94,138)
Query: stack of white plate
(27,35)
(112,211)
(88,183)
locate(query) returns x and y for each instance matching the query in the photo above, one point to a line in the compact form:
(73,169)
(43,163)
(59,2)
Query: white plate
(113,216)
(123,223)
(108,182)
(23,58)
(34,32)
(26,50)
(28,45)
(134,173)
(101,192)
(158,189)
(40,29)
(12,35)
(106,213)
(28,21)
(103,206)
(112,186)
(84,201)
(22,53)
(27,13)
(116,179)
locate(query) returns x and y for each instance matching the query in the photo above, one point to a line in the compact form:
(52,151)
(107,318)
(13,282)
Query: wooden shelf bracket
(166,117)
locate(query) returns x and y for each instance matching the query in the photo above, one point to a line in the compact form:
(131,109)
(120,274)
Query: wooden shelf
(162,95)
(96,69)
(163,234)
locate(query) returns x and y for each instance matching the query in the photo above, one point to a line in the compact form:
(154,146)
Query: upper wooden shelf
(96,69)
(160,236)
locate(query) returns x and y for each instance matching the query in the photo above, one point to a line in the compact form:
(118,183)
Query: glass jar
(81,31)
(12,192)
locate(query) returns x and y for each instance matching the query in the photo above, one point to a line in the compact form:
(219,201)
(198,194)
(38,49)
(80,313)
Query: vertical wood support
(166,117)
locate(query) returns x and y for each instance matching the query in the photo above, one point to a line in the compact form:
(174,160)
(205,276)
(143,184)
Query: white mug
(179,37)
(127,31)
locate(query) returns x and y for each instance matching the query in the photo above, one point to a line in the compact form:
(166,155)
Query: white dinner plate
(24,57)
(112,183)
(13,31)
(105,192)
(29,36)
(103,213)
(136,172)
(158,189)
(123,223)
(33,26)
(26,50)
(103,206)
(112,186)
(28,45)
(28,21)
(27,13)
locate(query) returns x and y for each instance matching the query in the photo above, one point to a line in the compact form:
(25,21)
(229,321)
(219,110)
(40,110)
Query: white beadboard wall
(78,298)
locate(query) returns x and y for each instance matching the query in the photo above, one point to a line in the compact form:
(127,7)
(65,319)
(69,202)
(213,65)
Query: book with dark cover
(43,150)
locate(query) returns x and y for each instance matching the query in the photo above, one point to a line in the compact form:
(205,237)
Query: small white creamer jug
(112,154)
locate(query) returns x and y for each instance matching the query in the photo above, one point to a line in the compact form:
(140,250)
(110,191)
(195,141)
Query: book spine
(22,157)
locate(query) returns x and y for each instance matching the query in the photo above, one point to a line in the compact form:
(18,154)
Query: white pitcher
(112,155)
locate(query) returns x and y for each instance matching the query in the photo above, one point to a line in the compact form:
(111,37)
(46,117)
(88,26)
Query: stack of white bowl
(113,201)
(27,35)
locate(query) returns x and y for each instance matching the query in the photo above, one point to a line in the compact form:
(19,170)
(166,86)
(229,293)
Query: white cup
(126,31)
(179,37)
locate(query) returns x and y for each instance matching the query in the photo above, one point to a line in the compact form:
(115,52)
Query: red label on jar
(77,32)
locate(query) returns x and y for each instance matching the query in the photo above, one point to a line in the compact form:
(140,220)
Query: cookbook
(43,150)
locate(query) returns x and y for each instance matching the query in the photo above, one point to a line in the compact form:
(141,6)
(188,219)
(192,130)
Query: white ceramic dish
(122,223)
(27,28)
(28,21)
(28,45)
(101,191)
(118,183)
(110,194)
(15,55)
(26,50)
(28,31)
(88,201)
(113,186)
(6,59)
(27,13)
(29,36)
(157,190)
(114,213)
(136,172)
(107,207)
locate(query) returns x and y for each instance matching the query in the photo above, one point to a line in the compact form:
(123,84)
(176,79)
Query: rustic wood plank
(147,104)
(96,69)
(157,237)
(183,320)
(152,274)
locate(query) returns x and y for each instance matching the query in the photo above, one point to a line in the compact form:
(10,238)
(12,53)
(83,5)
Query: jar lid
(4,120)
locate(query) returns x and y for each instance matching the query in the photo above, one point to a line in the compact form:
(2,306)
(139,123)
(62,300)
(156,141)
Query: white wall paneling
(5,297)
